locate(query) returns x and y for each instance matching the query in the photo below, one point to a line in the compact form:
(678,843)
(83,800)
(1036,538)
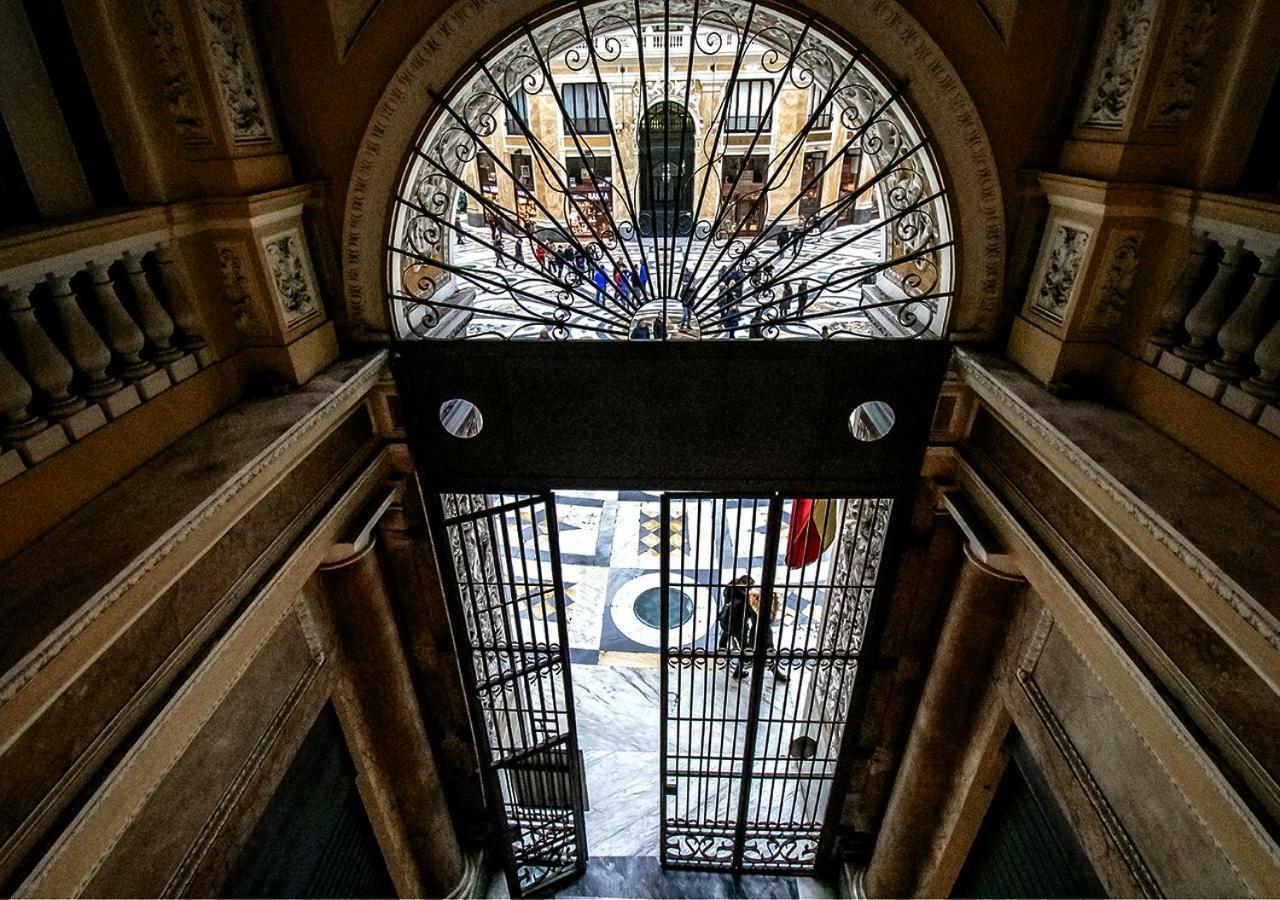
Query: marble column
(420,605)
(370,638)
(957,679)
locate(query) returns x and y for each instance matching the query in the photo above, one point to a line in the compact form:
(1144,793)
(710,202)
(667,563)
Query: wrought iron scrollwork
(646,204)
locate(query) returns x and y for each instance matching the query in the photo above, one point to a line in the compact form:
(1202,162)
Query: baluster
(123,334)
(47,368)
(155,322)
(180,305)
(1211,309)
(1168,331)
(15,397)
(1266,384)
(88,351)
(1243,329)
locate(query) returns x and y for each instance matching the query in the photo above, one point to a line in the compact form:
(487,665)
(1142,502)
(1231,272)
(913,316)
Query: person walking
(802,297)
(784,306)
(797,241)
(519,252)
(493,231)
(659,329)
(757,323)
(734,318)
(620,282)
(731,620)
(601,281)
(499,256)
(641,331)
(461,232)
(540,254)
(686,304)
(783,238)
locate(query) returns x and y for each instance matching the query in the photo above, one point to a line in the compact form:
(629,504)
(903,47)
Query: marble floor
(609,556)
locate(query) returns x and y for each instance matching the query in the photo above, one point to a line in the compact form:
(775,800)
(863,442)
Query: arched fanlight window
(672,169)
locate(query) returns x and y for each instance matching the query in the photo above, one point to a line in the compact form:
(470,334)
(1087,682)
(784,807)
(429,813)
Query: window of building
(587,209)
(518,114)
(749,106)
(522,168)
(742,192)
(487,176)
(811,185)
(587,106)
(822,119)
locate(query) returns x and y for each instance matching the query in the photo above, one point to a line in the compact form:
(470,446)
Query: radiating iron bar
(789,275)
(679,192)
(755,140)
(470,275)
(764,617)
(527,319)
(475,137)
(845,312)
(726,98)
(797,143)
(854,275)
(848,200)
(762,236)
(613,135)
(648,136)
(496,209)
(584,153)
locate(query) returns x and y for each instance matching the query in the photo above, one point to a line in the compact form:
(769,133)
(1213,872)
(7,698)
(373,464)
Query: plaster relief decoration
(1184,64)
(292,281)
(235,287)
(173,65)
(236,69)
(1120,57)
(1108,307)
(1060,270)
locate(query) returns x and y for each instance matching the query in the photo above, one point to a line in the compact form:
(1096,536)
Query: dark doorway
(666,141)
(314,839)
(1025,847)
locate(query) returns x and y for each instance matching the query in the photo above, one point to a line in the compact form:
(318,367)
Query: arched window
(721,167)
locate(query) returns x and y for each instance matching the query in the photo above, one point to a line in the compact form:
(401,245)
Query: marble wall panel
(207,779)
(1162,822)
(41,770)
(1228,702)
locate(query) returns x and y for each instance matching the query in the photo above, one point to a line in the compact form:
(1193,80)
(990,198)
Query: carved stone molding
(1059,270)
(235,287)
(1118,64)
(1184,63)
(235,66)
(1009,406)
(1107,307)
(293,283)
(173,63)
(1111,824)
(883,27)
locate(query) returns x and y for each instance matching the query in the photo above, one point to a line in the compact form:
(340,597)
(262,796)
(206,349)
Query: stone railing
(1218,330)
(93,323)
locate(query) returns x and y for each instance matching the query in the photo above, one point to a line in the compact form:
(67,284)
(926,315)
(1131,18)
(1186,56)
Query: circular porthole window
(461,418)
(871,420)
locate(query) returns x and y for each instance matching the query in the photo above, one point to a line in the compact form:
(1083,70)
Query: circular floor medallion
(648,607)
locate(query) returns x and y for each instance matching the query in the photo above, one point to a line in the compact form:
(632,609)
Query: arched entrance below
(666,142)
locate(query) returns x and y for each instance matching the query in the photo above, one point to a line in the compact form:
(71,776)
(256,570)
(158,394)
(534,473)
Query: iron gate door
(758,685)
(508,613)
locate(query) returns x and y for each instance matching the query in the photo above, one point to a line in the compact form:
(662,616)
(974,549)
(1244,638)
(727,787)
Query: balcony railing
(95,320)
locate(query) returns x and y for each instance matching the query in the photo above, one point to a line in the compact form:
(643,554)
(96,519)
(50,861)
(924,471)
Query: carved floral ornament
(1118,64)
(889,32)
(235,67)
(1060,270)
(1117,281)
(292,280)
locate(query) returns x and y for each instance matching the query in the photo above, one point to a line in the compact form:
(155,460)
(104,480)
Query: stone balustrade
(89,330)
(1218,330)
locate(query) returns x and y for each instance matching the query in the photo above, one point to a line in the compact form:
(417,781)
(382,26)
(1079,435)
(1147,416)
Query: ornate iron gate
(507,607)
(755,710)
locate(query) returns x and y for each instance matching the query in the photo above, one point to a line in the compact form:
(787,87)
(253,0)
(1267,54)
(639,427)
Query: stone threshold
(1220,531)
(70,575)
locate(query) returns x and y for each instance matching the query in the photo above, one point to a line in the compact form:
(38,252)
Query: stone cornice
(261,470)
(1027,421)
